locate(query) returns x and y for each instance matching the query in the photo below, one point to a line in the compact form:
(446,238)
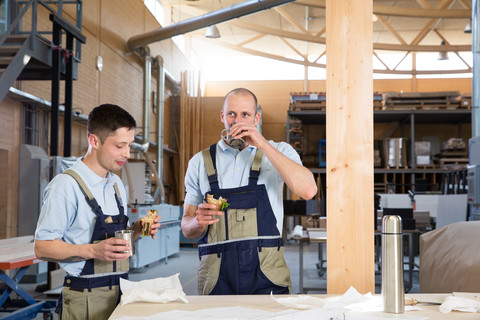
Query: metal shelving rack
(412,117)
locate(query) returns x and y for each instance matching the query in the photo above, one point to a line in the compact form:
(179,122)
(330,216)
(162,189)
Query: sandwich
(148,220)
(220,203)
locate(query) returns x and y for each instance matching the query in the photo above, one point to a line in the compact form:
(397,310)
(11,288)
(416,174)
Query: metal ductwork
(147,80)
(208,19)
(160,190)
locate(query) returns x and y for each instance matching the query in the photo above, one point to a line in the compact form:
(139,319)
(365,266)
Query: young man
(82,209)
(241,248)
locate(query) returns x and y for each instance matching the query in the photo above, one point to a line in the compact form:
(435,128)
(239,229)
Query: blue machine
(167,240)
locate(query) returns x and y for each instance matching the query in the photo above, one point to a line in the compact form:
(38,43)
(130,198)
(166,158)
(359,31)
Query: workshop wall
(107,26)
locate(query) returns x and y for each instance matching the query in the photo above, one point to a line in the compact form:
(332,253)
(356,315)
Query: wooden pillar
(350,198)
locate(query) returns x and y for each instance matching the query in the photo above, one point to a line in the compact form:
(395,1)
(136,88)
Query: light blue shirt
(233,170)
(65,213)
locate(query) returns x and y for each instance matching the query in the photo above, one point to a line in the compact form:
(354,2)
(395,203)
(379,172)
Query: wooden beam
(456,52)
(402,11)
(304,56)
(266,55)
(321,65)
(466,4)
(391,29)
(316,39)
(258,36)
(424,4)
(381,61)
(290,19)
(350,232)
(432,23)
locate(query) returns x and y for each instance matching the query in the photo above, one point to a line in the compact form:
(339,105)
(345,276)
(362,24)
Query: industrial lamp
(468,27)
(442,55)
(212,32)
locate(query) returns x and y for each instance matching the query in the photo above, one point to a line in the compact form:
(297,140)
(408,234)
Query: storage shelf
(403,178)
(421,116)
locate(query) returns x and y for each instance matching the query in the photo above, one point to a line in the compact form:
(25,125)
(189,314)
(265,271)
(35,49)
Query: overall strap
(255,170)
(88,195)
(118,199)
(209,159)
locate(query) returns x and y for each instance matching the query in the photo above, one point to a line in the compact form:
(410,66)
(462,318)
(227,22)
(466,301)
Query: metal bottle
(393,294)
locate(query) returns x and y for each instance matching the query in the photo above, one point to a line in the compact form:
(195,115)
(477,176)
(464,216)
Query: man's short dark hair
(106,118)
(241,91)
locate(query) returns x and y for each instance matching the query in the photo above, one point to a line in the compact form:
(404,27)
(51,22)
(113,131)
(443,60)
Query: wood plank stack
(442,100)
(454,154)
(308,101)
(318,101)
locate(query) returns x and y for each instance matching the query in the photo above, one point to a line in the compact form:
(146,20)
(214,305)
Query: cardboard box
(423,160)
(422,148)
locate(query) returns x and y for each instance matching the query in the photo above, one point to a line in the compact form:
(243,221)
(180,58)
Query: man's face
(115,150)
(239,109)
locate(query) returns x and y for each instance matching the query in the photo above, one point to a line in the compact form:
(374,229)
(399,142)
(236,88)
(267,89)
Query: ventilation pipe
(160,190)
(147,80)
(476,70)
(208,19)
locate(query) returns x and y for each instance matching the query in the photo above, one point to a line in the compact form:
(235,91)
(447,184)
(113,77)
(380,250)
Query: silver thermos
(393,295)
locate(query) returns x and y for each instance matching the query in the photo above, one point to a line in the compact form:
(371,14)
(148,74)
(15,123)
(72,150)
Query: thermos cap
(392,224)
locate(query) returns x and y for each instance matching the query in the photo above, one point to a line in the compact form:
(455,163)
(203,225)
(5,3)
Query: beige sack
(450,259)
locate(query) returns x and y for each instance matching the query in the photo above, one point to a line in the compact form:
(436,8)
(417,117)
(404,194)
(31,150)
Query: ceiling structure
(295,32)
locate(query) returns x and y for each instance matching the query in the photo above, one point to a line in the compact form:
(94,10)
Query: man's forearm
(191,229)
(60,251)
(298,178)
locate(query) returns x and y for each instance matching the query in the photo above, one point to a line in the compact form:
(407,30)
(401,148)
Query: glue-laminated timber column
(350,198)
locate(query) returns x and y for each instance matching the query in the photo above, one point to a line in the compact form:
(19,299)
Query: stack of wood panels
(308,101)
(442,100)
(318,101)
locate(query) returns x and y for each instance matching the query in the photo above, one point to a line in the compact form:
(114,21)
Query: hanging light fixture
(468,27)
(212,32)
(442,55)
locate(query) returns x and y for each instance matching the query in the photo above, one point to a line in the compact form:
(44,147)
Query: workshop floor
(186,263)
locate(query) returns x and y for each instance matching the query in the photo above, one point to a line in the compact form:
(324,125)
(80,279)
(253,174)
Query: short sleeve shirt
(233,170)
(65,213)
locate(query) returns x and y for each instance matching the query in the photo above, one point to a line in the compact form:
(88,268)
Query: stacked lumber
(442,100)
(308,101)
(465,101)
(318,101)
(454,154)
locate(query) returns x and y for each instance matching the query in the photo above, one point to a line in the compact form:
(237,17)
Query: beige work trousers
(97,304)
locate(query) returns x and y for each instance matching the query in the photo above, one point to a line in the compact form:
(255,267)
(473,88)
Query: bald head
(241,93)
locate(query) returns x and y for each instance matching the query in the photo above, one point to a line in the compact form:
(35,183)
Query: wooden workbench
(266,303)
(16,253)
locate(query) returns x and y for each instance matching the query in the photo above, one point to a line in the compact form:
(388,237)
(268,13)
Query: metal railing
(20,10)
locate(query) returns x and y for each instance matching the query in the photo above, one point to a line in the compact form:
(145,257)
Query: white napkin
(459,304)
(351,297)
(356,305)
(154,290)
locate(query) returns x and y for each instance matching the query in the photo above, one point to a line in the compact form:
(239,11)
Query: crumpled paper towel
(459,304)
(153,290)
(351,299)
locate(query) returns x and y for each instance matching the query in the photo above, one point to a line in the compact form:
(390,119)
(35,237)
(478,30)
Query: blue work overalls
(98,273)
(243,252)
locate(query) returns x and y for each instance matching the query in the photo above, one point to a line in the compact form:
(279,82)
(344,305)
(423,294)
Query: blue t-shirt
(233,170)
(65,213)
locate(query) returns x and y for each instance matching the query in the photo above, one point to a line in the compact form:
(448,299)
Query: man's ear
(257,118)
(94,141)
